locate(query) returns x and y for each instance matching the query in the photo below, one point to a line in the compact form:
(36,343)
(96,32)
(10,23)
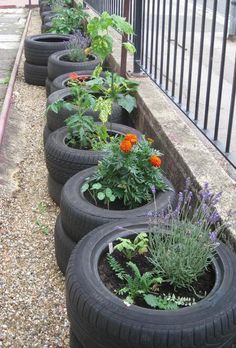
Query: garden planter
(99,319)
(45,27)
(39,47)
(80,216)
(55,121)
(58,64)
(61,81)
(63,161)
(35,74)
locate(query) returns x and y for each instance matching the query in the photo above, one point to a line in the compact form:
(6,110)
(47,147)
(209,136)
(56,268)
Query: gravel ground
(32,300)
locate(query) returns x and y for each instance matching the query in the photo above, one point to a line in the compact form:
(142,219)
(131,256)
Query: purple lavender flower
(213,236)
(79,40)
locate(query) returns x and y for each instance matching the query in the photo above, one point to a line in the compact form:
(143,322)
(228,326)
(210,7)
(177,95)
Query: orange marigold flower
(132,138)
(73,76)
(125,146)
(155,161)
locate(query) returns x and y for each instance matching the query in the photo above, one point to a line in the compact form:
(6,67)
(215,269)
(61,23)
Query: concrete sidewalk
(12,23)
(16,3)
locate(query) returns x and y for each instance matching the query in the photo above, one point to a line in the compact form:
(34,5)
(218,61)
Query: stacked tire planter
(58,65)
(79,216)
(99,319)
(63,161)
(37,50)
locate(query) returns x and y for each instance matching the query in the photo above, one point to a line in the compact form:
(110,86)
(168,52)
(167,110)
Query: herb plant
(129,171)
(131,248)
(76,47)
(102,41)
(68,20)
(183,241)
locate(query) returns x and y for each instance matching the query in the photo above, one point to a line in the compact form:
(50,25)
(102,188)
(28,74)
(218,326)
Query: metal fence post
(123,63)
(137,36)
(232,26)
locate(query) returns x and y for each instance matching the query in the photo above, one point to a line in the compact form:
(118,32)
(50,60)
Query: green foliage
(135,286)
(131,248)
(68,20)
(169,302)
(102,41)
(183,242)
(113,88)
(130,175)
(58,105)
(130,48)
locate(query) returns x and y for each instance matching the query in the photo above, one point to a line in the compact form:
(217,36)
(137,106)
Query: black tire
(63,161)
(74,343)
(39,47)
(35,74)
(44,8)
(63,246)
(57,66)
(79,216)
(60,82)
(46,27)
(54,190)
(101,319)
(48,84)
(55,121)
(46,13)
(46,133)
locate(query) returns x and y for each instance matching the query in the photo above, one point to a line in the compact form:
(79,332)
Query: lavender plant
(183,241)
(76,46)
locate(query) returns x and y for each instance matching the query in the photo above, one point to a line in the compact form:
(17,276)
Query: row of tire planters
(57,120)
(99,319)
(45,6)
(63,161)
(38,48)
(59,64)
(61,81)
(79,215)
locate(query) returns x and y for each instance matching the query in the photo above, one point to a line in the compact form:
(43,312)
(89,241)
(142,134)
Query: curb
(8,97)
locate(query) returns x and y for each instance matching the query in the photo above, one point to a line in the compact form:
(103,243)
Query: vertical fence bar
(191,55)
(143,31)
(138,33)
(210,65)
(168,45)
(175,47)
(199,75)
(162,40)
(157,40)
(147,34)
(123,63)
(183,52)
(222,68)
(152,36)
(231,111)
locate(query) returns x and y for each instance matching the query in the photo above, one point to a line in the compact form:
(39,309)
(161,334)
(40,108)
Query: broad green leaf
(96,186)
(130,48)
(101,195)
(108,192)
(128,102)
(84,187)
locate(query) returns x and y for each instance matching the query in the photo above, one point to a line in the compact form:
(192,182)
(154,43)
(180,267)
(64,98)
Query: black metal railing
(183,46)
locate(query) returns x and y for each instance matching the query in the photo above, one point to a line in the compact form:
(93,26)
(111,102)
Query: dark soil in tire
(60,82)
(79,216)
(63,246)
(39,47)
(55,121)
(63,161)
(101,319)
(57,66)
(35,74)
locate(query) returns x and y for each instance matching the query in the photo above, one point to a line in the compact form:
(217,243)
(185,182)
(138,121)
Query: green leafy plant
(130,170)
(102,41)
(136,285)
(68,20)
(132,247)
(183,241)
